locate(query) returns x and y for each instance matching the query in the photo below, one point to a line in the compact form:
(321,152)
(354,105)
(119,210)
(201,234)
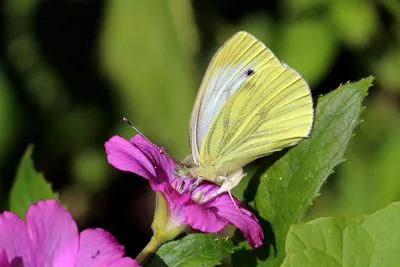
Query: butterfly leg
(227,185)
(196,183)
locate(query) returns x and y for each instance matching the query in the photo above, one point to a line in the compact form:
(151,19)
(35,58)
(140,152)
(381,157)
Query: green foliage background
(69,71)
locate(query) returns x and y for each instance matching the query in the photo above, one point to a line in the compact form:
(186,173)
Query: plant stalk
(148,250)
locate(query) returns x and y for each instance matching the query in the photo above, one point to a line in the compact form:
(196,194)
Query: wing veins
(260,120)
(240,118)
(251,111)
(221,58)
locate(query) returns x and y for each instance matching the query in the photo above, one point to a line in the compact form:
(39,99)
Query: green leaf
(369,179)
(29,186)
(193,250)
(289,186)
(240,189)
(353,241)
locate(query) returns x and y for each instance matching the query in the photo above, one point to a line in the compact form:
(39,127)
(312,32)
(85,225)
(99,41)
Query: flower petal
(140,157)
(126,157)
(206,208)
(99,248)
(4,260)
(54,234)
(176,204)
(223,206)
(170,193)
(205,219)
(207,189)
(14,240)
(157,155)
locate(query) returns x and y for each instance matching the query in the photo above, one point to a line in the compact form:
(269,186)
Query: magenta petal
(3,259)
(54,234)
(176,204)
(126,157)
(207,188)
(165,165)
(99,248)
(243,219)
(140,157)
(204,218)
(205,209)
(170,193)
(14,239)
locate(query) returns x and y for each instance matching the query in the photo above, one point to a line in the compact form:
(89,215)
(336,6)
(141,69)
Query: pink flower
(207,208)
(50,238)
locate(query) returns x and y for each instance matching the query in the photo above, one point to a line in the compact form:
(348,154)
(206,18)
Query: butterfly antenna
(230,194)
(139,132)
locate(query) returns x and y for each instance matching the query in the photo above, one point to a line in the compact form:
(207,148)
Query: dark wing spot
(249,72)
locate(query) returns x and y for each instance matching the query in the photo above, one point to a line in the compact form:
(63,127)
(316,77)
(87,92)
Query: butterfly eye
(249,72)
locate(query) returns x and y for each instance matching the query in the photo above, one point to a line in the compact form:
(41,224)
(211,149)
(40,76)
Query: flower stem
(149,249)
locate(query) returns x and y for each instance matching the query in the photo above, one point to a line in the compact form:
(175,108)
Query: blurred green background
(70,70)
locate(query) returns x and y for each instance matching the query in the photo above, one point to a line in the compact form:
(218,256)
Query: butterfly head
(182,170)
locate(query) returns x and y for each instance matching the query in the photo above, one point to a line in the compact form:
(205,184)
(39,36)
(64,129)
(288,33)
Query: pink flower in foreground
(50,238)
(207,208)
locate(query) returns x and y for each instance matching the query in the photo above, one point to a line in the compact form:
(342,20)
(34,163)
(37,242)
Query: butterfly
(249,105)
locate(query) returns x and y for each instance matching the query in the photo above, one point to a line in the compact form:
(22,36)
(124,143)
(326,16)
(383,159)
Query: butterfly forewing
(231,67)
(271,110)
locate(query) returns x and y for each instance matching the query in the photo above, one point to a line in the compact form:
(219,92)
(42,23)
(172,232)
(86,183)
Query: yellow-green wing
(270,111)
(231,66)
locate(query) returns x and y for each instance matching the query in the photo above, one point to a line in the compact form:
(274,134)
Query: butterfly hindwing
(229,69)
(271,110)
